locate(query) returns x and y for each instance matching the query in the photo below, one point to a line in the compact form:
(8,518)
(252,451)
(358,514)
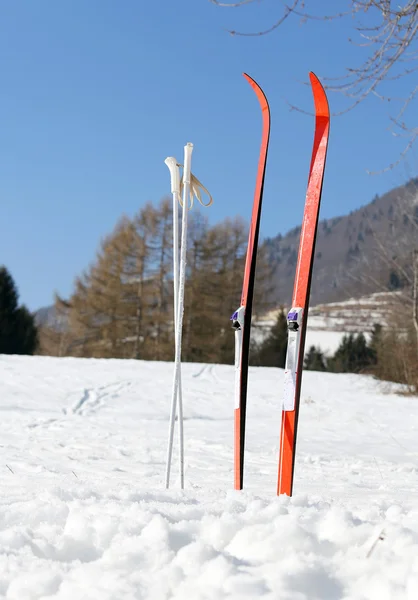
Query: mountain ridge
(348,243)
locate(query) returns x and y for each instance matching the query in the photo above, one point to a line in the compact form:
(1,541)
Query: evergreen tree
(352,356)
(8,310)
(362,353)
(315,360)
(272,351)
(18,332)
(26,331)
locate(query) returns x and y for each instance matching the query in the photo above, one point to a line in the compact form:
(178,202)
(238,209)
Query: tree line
(389,353)
(355,354)
(122,305)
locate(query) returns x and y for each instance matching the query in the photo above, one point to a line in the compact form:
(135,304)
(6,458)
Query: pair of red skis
(297,317)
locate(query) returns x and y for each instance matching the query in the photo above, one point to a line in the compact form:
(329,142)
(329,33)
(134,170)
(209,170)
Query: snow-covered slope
(84,514)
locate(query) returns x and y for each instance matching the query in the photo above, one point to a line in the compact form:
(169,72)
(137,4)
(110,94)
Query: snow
(326,341)
(84,514)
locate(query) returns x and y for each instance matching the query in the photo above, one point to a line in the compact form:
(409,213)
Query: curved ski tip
(259,92)
(251,81)
(320,97)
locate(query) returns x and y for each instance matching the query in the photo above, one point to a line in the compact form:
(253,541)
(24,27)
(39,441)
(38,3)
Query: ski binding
(238,324)
(238,318)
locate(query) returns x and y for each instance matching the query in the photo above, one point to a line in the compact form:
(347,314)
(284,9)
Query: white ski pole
(188,149)
(173,166)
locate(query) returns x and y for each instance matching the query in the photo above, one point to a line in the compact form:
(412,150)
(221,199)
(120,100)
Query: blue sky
(94,95)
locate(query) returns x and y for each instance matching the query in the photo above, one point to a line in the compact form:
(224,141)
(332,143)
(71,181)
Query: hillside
(85,513)
(348,259)
(328,323)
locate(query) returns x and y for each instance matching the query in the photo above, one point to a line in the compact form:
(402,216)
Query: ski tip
(320,97)
(251,81)
(260,95)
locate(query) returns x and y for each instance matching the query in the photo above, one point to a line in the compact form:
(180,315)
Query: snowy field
(84,514)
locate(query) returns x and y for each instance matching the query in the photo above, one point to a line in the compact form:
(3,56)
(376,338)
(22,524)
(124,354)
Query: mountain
(48,317)
(367,251)
(45,316)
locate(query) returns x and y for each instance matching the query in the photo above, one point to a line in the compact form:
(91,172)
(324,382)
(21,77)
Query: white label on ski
(294,325)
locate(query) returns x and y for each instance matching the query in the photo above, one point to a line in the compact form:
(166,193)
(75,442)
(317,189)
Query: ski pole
(173,166)
(190,186)
(188,149)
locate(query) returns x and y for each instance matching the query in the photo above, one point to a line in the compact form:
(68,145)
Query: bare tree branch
(388,30)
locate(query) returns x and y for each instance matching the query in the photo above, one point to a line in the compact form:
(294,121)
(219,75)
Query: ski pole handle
(188,149)
(174,169)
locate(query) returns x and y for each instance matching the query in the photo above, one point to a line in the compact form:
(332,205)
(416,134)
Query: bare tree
(415,294)
(387,30)
(390,267)
(388,263)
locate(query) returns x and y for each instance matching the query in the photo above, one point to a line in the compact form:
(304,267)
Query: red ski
(241,319)
(298,315)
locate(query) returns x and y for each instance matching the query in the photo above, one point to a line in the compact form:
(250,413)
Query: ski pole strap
(196,189)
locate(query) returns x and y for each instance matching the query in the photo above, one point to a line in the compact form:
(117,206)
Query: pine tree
(362,352)
(8,312)
(343,359)
(315,360)
(18,332)
(352,356)
(26,331)
(272,351)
